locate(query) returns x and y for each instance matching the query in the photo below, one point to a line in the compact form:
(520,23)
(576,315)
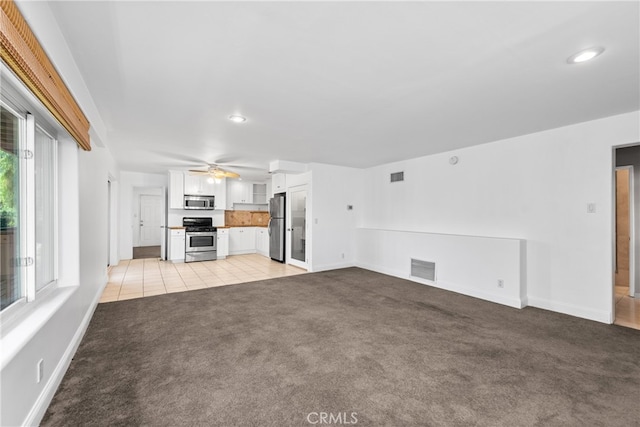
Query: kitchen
(238,225)
(213,216)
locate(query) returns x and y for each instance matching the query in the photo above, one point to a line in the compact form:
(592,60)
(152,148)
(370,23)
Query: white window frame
(56,225)
(26,235)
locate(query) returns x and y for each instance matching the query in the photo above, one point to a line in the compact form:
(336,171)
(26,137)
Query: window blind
(24,55)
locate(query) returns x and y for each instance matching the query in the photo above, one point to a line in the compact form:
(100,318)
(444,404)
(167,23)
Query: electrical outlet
(40,370)
(500,283)
(343,255)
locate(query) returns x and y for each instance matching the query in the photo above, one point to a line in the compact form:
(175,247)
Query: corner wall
(534,187)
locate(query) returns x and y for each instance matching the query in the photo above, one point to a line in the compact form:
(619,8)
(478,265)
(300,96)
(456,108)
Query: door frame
(632,240)
(149,191)
(289,229)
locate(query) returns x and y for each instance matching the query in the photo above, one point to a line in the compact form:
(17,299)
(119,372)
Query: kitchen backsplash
(246,218)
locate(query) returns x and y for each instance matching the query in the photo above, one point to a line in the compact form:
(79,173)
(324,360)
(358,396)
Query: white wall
(630,156)
(57,322)
(534,187)
(332,224)
(465,264)
(128,182)
(54,327)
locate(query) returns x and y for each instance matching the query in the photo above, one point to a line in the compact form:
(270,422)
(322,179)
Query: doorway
(148,223)
(624,227)
(626,240)
(297,253)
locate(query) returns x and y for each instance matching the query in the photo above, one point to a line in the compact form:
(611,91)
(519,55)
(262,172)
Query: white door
(150,220)
(297,226)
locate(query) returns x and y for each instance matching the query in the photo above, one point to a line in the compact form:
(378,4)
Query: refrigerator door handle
(269,226)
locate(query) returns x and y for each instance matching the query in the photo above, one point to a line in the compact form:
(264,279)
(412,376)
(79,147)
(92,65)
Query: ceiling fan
(215,172)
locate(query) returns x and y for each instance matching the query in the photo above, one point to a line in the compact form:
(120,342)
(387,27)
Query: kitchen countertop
(236,226)
(176,227)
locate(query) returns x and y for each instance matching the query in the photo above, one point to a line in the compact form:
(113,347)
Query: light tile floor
(140,278)
(627,309)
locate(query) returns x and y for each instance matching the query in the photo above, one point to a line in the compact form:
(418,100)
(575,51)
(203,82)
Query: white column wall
(332,224)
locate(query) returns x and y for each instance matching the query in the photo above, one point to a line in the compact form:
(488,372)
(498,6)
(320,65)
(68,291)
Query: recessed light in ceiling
(585,55)
(237,119)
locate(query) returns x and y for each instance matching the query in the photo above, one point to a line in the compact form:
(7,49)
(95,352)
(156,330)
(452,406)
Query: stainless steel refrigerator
(276,227)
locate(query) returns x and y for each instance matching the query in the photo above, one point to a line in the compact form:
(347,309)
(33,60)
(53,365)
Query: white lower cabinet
(242,240)
(247,240)
(223,243)
(176,245)
(262,241)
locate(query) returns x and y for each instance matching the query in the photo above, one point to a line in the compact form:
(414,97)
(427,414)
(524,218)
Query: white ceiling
(347,83)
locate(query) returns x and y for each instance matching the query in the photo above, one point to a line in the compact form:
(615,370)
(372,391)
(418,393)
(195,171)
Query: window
(45,209)
(28,207)
(10,281)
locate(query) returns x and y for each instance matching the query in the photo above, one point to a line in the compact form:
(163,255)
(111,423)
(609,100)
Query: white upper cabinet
(199,185)
(238,192)
(220,191)
(181,183)
(279,183)
(176,190)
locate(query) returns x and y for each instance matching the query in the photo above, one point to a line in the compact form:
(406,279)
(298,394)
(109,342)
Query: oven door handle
(200,233)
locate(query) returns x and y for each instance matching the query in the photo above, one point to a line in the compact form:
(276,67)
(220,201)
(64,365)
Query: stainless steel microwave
(199,202)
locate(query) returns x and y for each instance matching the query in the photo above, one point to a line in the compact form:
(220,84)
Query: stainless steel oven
(201,240)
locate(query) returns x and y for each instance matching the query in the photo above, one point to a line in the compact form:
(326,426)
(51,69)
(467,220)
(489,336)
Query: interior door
(297,227)
(150,220)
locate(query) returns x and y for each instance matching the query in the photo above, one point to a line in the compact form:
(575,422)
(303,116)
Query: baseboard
(335,266)
(511,302)
(44,400)
(572,310)
(378,269)
(243,252)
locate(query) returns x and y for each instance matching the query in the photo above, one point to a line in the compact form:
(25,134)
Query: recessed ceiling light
(237,119)
(585,55)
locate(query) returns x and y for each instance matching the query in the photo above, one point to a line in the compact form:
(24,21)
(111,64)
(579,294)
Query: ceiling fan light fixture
(237,118)
(585,55)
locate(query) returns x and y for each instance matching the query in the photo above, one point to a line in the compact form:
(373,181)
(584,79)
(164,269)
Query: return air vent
(423,269)
(397,176)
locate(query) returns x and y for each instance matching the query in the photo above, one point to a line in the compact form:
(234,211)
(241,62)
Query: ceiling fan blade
(195,172)
(226,174)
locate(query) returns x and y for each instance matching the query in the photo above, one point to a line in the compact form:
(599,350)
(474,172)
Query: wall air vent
(397,176)
(423,269)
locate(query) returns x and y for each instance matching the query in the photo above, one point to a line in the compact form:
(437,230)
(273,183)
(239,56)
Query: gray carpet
(353,344)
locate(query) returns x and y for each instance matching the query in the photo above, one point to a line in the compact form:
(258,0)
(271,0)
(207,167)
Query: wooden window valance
(22,52)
